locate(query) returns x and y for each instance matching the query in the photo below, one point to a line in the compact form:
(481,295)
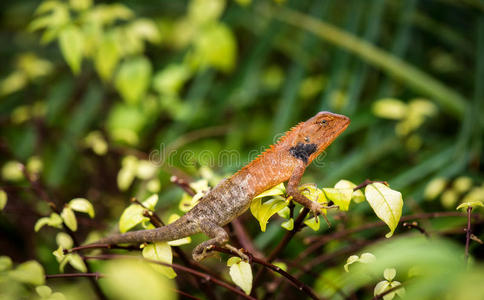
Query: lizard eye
(306,139)
(323,122)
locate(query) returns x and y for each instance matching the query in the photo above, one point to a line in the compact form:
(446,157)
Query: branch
(174,266)
(414,225)
(183,184)
(319,241)
(367,182)
(294,281)
(95,275)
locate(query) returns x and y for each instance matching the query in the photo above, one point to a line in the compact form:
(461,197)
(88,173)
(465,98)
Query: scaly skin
(284,161)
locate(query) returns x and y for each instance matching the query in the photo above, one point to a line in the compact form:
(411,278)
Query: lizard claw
(317,209)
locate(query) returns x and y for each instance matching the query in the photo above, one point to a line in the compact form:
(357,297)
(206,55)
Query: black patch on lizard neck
(303,151)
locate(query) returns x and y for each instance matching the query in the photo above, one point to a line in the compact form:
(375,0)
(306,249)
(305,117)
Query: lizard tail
(179,229)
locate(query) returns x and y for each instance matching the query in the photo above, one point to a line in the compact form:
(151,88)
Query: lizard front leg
(219,237)
(293,191)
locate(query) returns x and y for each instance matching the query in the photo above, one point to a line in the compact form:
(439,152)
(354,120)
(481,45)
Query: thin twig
(244,239)
(468,232)
(183,184)
(367,182)
(292,280)
(414,225)
(95,275)
(174,266)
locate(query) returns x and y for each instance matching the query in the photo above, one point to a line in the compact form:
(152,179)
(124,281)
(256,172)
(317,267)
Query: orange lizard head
(317,133)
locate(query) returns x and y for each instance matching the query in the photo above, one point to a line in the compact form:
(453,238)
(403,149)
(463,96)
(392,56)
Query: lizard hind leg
(218,237)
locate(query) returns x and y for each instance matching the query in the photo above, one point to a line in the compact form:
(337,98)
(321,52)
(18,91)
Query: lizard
(286,160)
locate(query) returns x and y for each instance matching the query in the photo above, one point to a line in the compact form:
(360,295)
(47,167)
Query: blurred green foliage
(106,100)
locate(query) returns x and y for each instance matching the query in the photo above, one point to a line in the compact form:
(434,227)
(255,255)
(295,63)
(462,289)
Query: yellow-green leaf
(29,272)
(434,188)
(241,274)
(12,171)
(3,199)
(203,11)
(351,260)
(279,189)
(389,273)
(313,223)
(54,220)
(288,225)
(69,218)
(131,279)
(82,205)
(390,108)
(76,262)
(160,251)
(171,79)
(107,57)
(472,204)
(311,191)
(151,201)
(386,203)
(263,211)
(5,263)
(216,46)
(133,79)
(43,291)
(340,197)
(125,178)
(132,216)
(64,240)
(357,195)
(146,169)
(71,43)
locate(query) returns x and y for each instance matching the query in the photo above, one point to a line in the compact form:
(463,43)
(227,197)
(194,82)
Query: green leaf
(146,169)
(29,272)
(71,43)
(43,291)
(204,11)
(389,273)
(390,108)
(54,220)
(340,197)
(279,189)
(133,78)
(284,213)
(386,203)
(132,279)
(76,262)
(82,205)
(435,188)
(311,191)
(313,223)
(241,274)
(80,4)
(171,79)
(263,211)
(160,251)
(69,218)
(132,216)
(365,258)
(472,204)
(351,260)
(5,263)
(357,195)
(216,46)
(381,287)
(12,171)
(59,254)
(107,57)
(288,225)
(3,199)
(64,240)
